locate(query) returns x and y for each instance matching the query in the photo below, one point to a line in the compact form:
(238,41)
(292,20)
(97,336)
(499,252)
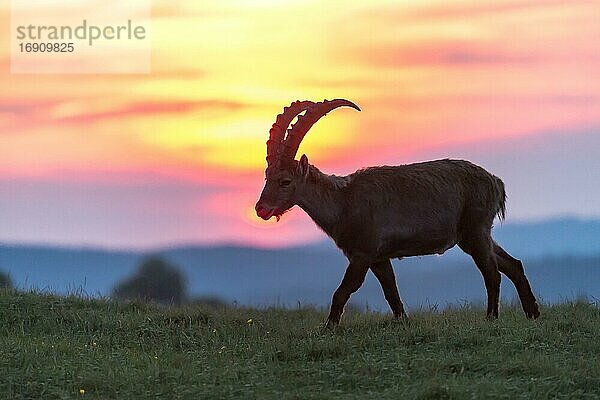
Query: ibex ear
(302,169)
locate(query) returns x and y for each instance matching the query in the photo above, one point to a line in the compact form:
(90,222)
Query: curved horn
(305,122)
(277,132)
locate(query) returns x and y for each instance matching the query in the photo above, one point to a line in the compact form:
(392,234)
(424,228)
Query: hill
(562,260)
(56,347)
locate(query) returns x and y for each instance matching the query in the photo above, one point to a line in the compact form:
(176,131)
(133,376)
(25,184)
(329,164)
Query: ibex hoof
(491,317)
(401,317)
(533,312)
(331,324)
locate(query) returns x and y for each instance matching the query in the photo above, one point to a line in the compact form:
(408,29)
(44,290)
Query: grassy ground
(56,348)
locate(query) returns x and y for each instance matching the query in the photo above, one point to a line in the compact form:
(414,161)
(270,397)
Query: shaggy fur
(380,213)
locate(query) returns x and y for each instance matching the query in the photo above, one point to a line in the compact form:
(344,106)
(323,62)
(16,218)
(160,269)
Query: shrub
(5,281)
(155,280)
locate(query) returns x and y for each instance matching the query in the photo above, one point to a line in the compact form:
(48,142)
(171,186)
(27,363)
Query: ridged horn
(277,132)
(296,133)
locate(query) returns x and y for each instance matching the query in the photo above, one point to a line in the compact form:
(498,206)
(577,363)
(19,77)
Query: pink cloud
(468,10)
(442,54)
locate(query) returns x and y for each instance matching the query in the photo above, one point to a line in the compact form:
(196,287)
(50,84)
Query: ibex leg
(353,279)
(385,275)
(513,269)
(480,248)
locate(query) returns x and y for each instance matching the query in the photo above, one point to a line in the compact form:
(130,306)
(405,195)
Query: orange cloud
(154,109)
(428,77)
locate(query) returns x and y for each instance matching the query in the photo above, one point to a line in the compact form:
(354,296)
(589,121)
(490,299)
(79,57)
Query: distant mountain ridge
(562,259)
(566,236)
(551,238)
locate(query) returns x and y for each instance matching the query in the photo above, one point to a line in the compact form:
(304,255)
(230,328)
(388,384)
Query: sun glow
(427,75)
(258,222)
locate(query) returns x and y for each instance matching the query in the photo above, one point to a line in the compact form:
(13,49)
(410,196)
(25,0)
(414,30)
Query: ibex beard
(380,213)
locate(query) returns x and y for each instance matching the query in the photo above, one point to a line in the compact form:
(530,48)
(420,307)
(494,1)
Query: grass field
(54,348)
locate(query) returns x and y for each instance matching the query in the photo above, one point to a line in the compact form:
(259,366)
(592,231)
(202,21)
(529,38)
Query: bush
(209,301)
(156,280)
(5,281)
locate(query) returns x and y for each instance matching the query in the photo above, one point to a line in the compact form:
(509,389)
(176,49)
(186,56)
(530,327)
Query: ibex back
(380,213)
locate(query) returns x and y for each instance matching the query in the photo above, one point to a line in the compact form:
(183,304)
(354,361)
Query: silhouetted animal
(380,213)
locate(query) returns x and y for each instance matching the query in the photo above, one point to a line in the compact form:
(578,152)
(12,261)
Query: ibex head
(284,175)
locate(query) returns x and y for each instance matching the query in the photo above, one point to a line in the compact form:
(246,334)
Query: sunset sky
(177,156)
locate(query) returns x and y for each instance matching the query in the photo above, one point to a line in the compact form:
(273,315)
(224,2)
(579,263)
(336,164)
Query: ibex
(379,213)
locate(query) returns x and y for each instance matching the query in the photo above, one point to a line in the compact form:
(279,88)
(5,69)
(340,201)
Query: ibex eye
(285,182)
